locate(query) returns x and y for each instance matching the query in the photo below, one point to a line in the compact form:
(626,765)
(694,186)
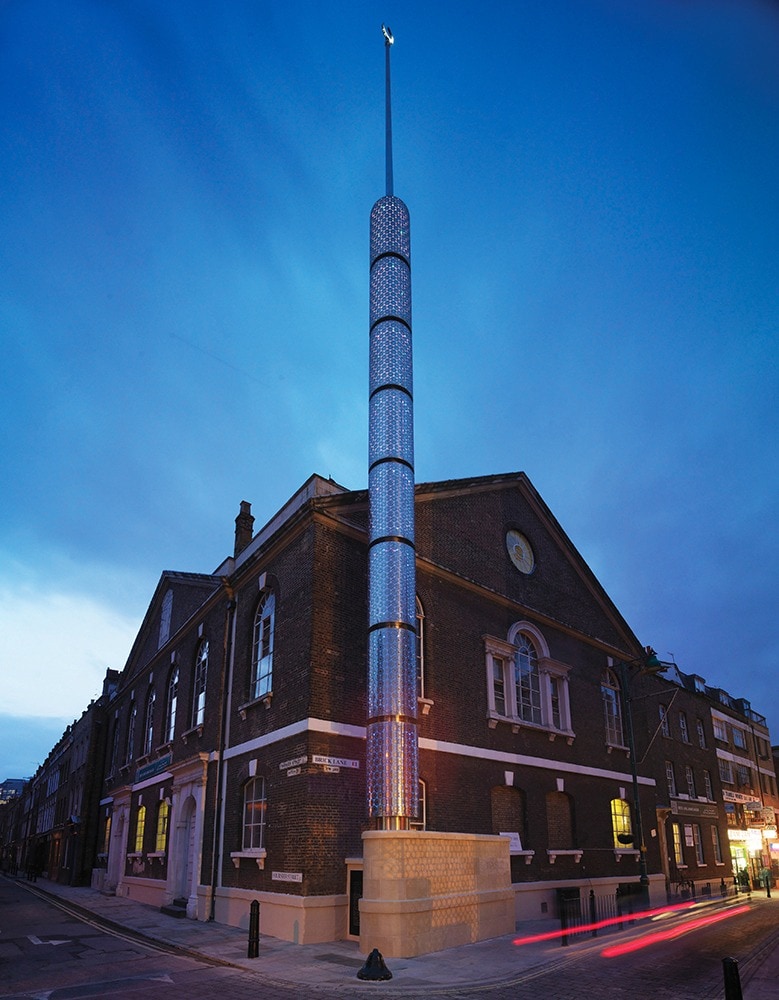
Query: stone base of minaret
(425,891)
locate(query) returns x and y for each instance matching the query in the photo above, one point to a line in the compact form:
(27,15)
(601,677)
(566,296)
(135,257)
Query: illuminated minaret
(392,750)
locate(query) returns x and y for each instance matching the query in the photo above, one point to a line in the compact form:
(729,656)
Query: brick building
(236,760)
(52,826)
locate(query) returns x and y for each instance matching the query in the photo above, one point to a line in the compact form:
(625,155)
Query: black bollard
(732,979)
(374,968)
(254,929)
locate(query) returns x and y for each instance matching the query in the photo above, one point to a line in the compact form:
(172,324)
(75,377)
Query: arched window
(165,616)
(420,650)
(114,759)
(172,703)
(508,806)
(148,722)
(621,825)
(262,646)
(254,805)
(527,683)
(612,708)
(199,684)
(163,815)
(140,826)
(559,821)
(130,745)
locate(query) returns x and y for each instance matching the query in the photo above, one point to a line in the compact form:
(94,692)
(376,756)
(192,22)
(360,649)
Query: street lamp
(647,664)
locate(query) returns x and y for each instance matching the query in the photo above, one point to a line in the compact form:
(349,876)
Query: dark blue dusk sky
(185,188)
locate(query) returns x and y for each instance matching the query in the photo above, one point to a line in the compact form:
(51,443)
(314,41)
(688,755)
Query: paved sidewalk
(335,964)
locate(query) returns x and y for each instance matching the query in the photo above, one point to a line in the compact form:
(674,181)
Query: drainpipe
(227,669)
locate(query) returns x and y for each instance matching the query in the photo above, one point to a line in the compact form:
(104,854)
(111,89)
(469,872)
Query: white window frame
(263,640)
(552,678)
(720,730)
(148,722)
(129,752)
(615,730)
(739,738)
(171,703)
(199,684)
(684,728)
(707,786)
(670,778)
(699,728)
(716,843)
(259,826)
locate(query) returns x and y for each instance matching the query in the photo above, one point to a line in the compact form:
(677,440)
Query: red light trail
(655,937)
(608,922)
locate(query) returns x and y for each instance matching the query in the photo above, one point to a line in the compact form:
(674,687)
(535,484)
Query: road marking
(37,940)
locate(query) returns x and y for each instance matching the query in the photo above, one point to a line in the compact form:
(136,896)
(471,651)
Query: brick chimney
(244,527)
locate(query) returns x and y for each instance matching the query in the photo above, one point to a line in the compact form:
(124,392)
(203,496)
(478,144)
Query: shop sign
(707,810)
(747,800)
(156,767)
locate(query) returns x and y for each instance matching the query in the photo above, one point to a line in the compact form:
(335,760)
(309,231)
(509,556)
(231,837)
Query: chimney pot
(244,527)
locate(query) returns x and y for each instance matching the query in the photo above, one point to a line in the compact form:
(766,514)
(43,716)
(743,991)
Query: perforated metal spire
(392,769)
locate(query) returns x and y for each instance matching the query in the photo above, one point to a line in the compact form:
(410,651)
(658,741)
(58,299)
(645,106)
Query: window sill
(264,700)
(629,852)
(134,854)
(194,731)
(425,704)
(575,854)
(158,856)
(527,855)
(493,718)
(258,855)
(611,747)
(163,747)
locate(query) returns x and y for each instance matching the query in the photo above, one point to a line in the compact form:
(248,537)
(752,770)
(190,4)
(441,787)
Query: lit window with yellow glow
(621,825)
(140,826)
(163,814)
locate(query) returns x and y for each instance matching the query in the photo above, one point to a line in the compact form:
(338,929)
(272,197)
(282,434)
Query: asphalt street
(60,943)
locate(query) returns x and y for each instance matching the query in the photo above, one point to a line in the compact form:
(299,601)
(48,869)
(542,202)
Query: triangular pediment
(177,597)
(498,533)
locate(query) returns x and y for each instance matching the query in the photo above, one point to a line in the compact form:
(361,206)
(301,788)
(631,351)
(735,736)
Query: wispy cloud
(56,648)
